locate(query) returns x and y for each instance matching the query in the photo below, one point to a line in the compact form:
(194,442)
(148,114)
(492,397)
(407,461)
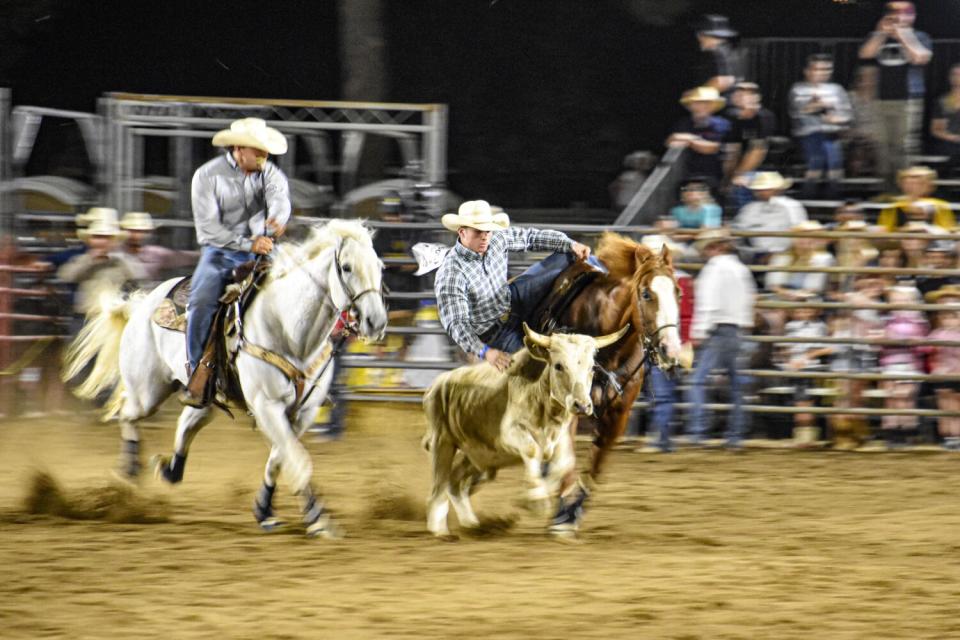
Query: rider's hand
(582,251)
(262,245)
(499,359)
(276,229)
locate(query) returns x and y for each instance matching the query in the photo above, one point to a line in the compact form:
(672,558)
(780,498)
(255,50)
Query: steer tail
(98,342)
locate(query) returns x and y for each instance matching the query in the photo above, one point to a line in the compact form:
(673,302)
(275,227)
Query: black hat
(716,26)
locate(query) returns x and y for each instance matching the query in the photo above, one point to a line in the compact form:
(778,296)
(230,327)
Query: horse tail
(97,347)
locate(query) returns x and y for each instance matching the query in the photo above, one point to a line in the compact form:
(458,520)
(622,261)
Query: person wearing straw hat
(241,202)
(705,134)
(103,263)
(479,309)
(803,252)
(770,211)
(915,203)
(723,307)
(156,259)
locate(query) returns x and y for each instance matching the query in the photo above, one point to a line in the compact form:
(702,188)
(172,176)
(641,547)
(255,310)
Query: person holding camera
(900,54)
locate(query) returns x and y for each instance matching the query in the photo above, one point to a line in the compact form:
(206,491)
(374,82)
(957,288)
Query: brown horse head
(651,303)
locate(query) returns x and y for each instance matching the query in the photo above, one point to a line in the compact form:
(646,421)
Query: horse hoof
(325,528)
(168,470)
(158,463)
(271,524)
(567,535)
(446,537)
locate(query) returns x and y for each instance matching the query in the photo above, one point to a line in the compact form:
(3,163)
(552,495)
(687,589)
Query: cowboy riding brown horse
(640,290)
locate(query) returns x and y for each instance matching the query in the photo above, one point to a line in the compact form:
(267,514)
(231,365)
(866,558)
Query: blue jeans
(821,152)
(526,292)
(210,278)
(661,393)
(720,351)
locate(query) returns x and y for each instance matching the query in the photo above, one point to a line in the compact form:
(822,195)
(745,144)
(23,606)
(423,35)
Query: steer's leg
(463,478)
(442,452)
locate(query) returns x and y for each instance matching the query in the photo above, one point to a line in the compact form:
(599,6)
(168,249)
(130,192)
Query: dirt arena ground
(698,544)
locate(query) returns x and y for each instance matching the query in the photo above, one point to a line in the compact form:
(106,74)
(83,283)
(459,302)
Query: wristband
(483,352)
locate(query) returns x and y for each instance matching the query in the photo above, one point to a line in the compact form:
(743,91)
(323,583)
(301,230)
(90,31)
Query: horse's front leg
(294,461)
(263,503)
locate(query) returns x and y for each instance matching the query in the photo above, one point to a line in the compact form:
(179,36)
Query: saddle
(568,285)
(220,350)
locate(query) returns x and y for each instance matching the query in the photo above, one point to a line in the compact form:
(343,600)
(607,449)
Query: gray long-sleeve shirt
(229,206)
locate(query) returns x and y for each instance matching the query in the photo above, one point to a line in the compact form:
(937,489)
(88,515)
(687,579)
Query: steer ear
(610,338)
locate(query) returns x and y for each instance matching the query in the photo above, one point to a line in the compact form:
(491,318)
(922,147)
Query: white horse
(307,289)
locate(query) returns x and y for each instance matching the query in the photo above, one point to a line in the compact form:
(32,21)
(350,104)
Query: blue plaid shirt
(472,290)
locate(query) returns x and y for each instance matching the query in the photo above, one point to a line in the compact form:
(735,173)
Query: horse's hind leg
(263,503)
(136,406)
(188,425)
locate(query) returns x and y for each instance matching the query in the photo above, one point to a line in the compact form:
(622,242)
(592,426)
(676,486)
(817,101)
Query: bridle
(352,298)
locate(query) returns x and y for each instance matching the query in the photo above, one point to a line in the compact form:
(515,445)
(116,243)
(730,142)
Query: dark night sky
(546,96)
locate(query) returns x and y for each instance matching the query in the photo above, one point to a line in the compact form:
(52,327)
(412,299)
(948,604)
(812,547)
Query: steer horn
(610,338)
(536,338)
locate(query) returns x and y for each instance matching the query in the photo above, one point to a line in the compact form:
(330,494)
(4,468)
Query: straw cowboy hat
(918,171)
(946,291)
(103,222)
(137,221)
(251,132)
(766,180)
(656,242)
(808,225)
(93,214)
(711,236)
(704,94)
(477,214)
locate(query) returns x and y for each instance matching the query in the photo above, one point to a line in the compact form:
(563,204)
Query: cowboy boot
(196,392)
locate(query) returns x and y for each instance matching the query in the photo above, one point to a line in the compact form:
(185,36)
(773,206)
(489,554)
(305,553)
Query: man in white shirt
(723,306)
(770,211)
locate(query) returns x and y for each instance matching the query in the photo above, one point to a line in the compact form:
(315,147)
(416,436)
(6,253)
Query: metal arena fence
(35,322)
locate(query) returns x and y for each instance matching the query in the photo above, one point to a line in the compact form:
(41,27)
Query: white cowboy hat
(477,214)
(766,180)
(137,221)
(704,94)
(251,132)
(429,256)
(104,223)
(93,214)
(710,236)
(656,242)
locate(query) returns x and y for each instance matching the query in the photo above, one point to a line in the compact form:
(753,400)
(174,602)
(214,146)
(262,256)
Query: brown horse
(640,290)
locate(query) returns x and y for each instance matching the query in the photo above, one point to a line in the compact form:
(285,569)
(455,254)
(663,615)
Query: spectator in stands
(946,361)
(719,63)
(938,255)
(849,430)
(697,209)
(706,135)
(771,211)
(945,123)
(752,127)
(804,252)
(905,360)
(820,111)
(158,261)
(636,167)
(104,264)
(804,357)
(851,253)
(723,307)
(915,204)
(862,135)
(900,54)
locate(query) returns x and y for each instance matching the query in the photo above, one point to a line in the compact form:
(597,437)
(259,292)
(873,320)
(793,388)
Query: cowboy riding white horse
(280,357)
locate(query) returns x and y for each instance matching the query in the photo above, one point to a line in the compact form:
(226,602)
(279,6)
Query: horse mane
(621,255)
(320,239)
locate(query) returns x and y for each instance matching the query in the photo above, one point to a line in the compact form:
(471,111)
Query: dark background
(546,96)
